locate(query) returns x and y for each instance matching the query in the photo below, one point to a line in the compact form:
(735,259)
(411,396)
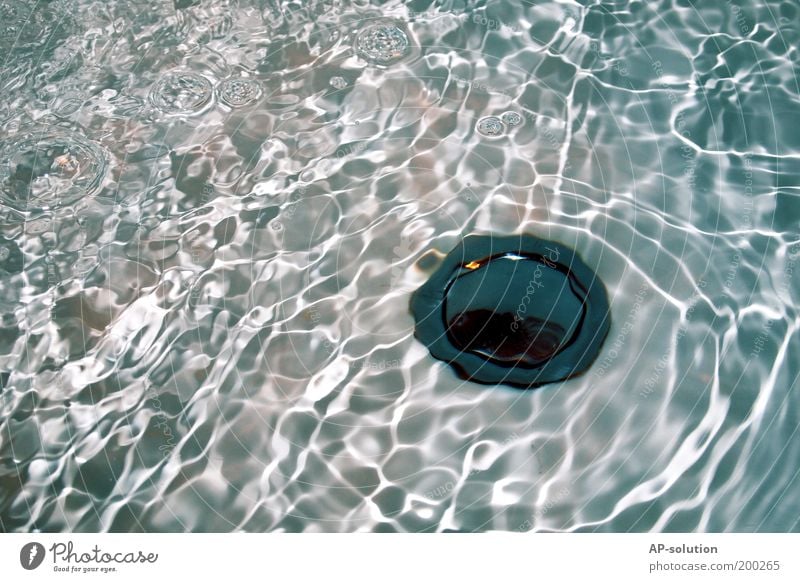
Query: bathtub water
(214,214)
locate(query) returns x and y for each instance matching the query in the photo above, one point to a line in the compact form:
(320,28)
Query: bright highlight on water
(329,266)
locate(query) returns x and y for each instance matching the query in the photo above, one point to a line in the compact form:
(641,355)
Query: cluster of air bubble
(239,92)
(382,43)
(49,169)
(493,126)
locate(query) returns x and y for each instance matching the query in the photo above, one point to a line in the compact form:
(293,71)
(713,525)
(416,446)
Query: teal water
(213,215)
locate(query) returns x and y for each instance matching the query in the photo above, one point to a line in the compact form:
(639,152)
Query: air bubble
(511,118)
(181,92)
(48,170)
(239,92)
(491,126)
(383,43)
(338,82)
(68,104)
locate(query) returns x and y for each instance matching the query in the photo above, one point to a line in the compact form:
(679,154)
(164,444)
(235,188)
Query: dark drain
(515,310)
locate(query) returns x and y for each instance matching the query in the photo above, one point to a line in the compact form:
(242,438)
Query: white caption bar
(400,557)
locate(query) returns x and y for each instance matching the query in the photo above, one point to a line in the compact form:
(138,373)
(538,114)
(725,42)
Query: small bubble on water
(307,176)
(511,118)
(491,126)
(338,82)
(382,43)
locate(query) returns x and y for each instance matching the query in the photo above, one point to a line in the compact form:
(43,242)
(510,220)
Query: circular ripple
(491,126)
(50,170)
(383,43)
(511,118)
(239,92)
(181,92)
(514,310)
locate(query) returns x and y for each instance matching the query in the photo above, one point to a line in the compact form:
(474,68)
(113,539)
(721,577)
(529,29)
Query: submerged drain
(515,310)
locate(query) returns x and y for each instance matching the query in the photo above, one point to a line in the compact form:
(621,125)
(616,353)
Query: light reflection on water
(214,333)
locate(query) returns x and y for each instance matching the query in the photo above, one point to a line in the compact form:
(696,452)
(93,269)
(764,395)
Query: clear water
(214,214)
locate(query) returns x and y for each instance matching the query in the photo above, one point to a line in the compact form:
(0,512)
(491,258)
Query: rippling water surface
(213,215)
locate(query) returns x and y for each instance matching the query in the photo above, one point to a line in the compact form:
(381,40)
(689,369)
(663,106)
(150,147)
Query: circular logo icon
(31,555)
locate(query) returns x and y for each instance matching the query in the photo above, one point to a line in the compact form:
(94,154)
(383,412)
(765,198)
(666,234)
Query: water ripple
(213,215)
